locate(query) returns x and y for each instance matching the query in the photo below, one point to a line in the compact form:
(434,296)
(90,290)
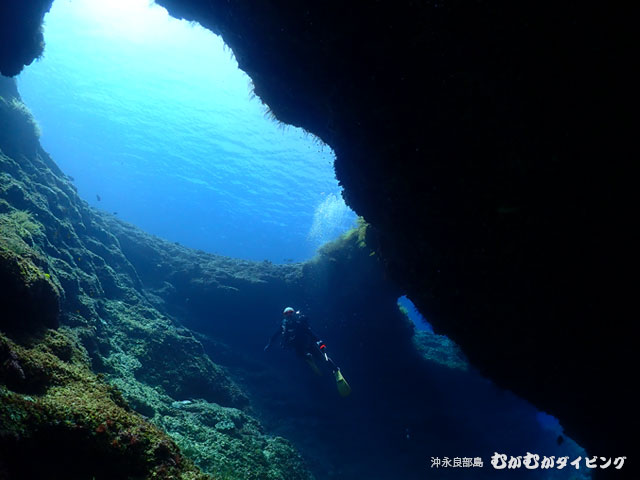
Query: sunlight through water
(155,123)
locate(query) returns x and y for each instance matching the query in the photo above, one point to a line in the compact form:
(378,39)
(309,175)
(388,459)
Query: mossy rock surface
(230,444)
(440,349)
(19,132)
(30,296)
(55,410)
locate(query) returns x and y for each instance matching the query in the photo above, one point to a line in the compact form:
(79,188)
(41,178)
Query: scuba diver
(295,333)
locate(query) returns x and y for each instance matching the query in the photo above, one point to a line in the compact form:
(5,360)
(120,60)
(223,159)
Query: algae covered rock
(230,444)
(55,410)
(19,132)
(439,349)
(29,295)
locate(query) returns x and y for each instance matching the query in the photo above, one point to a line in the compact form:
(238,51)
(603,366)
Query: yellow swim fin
(343,387)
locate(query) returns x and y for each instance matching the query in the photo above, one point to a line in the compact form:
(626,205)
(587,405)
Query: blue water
(415,316)
(153,116)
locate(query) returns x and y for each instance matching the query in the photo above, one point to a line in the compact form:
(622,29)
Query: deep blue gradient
(415,316)
(152,115)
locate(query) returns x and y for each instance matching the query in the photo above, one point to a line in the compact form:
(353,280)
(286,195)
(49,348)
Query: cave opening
(155,123)
(410,310)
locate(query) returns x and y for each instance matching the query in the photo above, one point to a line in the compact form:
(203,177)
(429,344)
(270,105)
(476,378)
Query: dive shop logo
(531,461)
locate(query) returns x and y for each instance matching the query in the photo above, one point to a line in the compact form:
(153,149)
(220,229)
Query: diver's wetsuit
(295,333)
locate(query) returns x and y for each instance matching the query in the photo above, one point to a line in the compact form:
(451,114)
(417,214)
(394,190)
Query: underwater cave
(153,228)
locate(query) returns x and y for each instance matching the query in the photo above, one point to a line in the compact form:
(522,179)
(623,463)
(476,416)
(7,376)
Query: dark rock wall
(21,39)
(486,142)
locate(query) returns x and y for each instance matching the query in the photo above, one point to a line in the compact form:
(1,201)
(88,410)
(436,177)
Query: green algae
(48,390)
(19,132)
(440,349)
(15,113)
(229,443)
(18,231)
(146,344)
(32,293)
(356,236)
(222,440)
(22,222)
